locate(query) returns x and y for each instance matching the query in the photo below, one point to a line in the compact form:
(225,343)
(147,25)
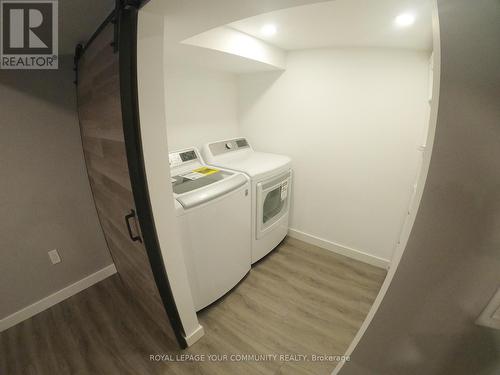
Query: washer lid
(255,164)
(194,180)
(201,195)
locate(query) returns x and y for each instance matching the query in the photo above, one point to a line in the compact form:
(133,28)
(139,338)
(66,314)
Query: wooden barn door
(110,153)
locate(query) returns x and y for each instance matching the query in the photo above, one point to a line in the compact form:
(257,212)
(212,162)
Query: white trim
(414,205)
(490,317)
(55,298)
(339,249)
(195,336)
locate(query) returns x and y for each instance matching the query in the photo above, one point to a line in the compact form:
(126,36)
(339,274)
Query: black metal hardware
(127,220)
(78,53)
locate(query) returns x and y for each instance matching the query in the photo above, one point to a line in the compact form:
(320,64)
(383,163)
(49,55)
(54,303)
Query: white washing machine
(271,180)
(213,208)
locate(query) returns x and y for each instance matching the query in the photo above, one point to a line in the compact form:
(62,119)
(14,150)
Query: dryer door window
(273,202)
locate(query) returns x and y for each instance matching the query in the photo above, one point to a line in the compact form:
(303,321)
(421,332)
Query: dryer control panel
(229,145)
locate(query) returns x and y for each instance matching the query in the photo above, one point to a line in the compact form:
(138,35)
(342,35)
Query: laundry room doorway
(357,122)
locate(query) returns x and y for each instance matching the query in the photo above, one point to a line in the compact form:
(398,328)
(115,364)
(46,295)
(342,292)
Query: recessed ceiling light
(268,30)
(405,19)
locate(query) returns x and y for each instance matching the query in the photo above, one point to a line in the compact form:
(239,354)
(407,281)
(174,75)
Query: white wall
(151,88)
(201,106)
(351,119)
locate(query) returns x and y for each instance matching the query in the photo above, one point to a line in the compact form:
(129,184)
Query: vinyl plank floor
(300,299)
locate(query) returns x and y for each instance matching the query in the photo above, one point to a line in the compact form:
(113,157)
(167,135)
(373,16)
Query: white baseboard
(56,297)
(195,336)
(339,249)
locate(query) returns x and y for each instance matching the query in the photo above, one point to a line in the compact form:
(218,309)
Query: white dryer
(271,180)
(213,208)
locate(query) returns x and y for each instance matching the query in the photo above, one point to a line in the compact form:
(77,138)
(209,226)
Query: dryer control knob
(229,146)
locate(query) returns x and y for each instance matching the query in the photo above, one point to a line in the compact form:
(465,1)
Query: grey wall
(451,266)
(78,19)
(45,197)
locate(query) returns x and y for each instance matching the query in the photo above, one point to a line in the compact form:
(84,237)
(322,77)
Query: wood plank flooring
(300,299)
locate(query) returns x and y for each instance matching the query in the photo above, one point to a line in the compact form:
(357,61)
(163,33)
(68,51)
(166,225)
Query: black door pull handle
(127,221)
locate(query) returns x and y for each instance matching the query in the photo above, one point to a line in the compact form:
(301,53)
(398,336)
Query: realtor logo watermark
(29,34)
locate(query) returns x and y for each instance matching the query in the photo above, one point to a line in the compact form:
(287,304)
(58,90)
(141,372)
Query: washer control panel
(180,157)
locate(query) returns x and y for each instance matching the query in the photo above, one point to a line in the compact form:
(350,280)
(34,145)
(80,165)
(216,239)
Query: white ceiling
(185,19)
(345,23)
